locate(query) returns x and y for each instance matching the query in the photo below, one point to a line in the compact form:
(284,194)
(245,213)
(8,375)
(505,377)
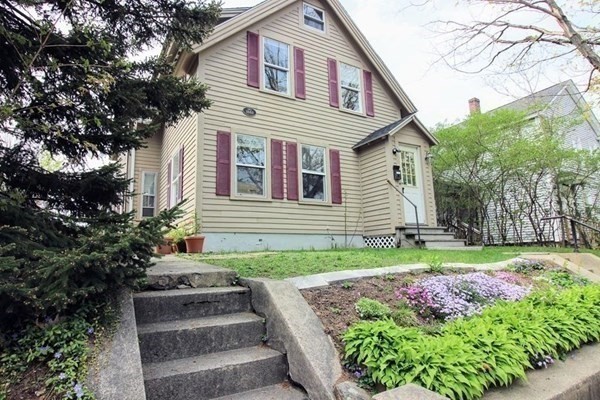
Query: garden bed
(397,329)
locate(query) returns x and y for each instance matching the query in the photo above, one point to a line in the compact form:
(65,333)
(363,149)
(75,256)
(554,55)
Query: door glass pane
(407,164)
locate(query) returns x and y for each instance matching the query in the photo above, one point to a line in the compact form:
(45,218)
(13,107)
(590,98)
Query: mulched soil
(31,386)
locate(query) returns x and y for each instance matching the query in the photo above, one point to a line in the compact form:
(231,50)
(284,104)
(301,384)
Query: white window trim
(277,67)
(142,194)
(264,168)
(361,109)
(325,175)
(311,18)
(175,195)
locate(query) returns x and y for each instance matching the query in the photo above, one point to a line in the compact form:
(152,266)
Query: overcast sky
(406,42)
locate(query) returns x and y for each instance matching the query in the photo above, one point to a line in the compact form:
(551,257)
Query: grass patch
(285,264)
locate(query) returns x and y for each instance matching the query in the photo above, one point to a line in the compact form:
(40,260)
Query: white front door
(412,184)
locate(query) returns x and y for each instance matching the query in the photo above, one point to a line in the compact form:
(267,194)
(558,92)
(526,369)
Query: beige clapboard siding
(184,132)
(147,159)
(410,135)
(375,196)
(312,122)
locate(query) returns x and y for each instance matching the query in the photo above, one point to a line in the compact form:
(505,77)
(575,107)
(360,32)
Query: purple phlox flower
(90,330)
(62,376)
(78,390)
(58,355)
(358,374)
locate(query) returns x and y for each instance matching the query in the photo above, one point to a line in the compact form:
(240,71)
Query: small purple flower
(58,355)
(90,330)
(358,374)
(62,376)
(78,390)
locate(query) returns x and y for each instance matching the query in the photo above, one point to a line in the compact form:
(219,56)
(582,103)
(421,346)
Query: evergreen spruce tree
(74,83)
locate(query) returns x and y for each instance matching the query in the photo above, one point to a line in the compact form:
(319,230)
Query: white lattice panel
(380,242)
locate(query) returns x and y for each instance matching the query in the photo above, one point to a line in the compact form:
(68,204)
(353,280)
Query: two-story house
(308,143)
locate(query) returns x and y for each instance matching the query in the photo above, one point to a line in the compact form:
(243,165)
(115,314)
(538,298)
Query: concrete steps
(430,237)
(214,375)
(283,391)
(205,342)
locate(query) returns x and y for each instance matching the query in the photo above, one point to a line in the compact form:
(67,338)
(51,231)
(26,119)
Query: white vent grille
(380,242)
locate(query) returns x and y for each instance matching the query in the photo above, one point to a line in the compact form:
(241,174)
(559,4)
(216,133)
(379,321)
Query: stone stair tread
(192,291)
(207,362)
(194,323)
(283,391)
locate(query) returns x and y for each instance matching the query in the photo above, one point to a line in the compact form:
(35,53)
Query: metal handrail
(573,223)
(416,210)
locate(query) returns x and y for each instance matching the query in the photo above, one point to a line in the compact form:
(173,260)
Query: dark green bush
(470,355)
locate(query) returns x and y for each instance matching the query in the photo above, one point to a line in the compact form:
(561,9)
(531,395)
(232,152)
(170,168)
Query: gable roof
(393,128)
(269,7)
(538,100)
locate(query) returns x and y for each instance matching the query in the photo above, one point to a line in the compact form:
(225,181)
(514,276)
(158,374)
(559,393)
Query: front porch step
(215,375)
(171,272)
(164,341)
(444,243)
(283,391)
(170,305)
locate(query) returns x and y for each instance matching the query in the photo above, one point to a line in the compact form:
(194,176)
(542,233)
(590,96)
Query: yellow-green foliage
(471,355)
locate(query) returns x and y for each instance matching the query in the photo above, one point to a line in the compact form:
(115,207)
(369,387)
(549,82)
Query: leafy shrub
(371,309)
(403,315)
(470,355)
(527,266)
(450,297)
(435,265)
(564,279)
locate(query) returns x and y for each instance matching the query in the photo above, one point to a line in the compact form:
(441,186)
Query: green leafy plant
(405,316)
(565,279)
(469,355)
(371,309)
(527,266)
(347,285)
(436,266)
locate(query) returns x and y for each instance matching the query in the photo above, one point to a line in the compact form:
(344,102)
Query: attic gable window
(350,87)
(314,17)
(276,57)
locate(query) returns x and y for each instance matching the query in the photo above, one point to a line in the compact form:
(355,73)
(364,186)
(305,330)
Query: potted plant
(194,242)
(177,235)
(166,247)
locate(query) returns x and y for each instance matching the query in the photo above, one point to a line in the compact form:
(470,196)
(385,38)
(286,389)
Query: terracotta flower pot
(194,244)
(166,247)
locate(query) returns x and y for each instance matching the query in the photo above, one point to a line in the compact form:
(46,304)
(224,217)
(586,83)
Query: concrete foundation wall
(225,242)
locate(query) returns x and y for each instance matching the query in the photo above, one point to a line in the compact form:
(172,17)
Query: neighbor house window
(148,194)
(314,17)
(350,87)
(175,190)
(250,165)
(276,60)
(313,172)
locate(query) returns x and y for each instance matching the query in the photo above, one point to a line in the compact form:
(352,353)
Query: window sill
(358,114)
(250,198)
(315,203)
(279,94)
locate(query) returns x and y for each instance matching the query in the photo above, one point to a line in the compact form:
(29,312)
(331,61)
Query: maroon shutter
(336,177)
(223,163)
(277,169)
(334,100)
(252,58)
(169,184)
(299,74)
(180,173)
(368,78)
(292,170)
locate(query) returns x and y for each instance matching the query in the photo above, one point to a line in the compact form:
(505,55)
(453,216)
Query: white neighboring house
(561,101)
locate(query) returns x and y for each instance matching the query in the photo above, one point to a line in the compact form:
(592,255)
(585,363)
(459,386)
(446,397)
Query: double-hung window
(250,167)
(175,190)
(313,173)
(148,194)
(314,17)
(350,87)
(276,66)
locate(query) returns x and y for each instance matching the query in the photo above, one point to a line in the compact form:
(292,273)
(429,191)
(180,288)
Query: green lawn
(284,264)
